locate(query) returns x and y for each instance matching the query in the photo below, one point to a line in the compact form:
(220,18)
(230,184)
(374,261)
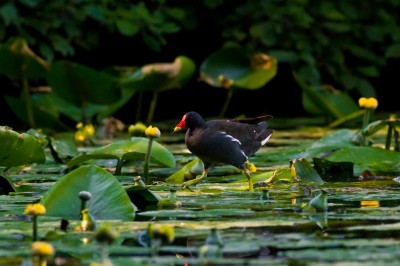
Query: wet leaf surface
(361,223)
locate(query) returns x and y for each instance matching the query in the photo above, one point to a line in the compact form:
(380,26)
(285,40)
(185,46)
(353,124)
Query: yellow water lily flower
(35,209)
(43,249)
(368,103)
(152,132)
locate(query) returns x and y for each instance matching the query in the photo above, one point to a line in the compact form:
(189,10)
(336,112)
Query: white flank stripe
(265,140)
(232,138)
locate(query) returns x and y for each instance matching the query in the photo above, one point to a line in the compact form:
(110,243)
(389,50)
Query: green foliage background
(343,43)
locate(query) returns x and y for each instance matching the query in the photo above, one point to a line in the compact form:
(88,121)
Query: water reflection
(369,204)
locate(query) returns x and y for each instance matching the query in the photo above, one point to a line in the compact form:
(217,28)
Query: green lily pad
(368,157)
(198,214)
(15,54)
(238,68)
(134,149)
(329,102)
(19,149)
(161,76)
(306,172)
(109,199)
(142,197)
(79,84)
(191,167)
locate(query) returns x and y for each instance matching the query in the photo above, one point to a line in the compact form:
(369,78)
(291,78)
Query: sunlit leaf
(134,149)
(109,199)
(326,101)
(16,56)
(161,76)
(19,149)
(179,177)
(305,172)
(238,68)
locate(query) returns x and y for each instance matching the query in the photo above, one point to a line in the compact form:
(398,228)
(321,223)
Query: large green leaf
(134,149)
(328,102)
(161,76)
(375,159)
(238,68)
(305,172)
(19,149)
(109,200)
(17,59)
(80,84)
(44,110)
(179,176)
(331,142)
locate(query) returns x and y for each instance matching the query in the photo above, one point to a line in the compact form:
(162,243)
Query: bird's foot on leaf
(251,166)
(248,175)
(192,182)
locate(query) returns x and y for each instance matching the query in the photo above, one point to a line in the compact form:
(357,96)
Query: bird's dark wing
(216,147)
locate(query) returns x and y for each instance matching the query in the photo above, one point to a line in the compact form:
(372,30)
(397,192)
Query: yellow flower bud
(89,130)
(368,103)
(164,232)
(105,234)
(152,132)
(137,129)
(35,209)
(43,249)
(79,136)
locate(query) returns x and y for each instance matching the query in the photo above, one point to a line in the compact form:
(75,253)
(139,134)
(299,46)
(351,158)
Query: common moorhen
(224,141)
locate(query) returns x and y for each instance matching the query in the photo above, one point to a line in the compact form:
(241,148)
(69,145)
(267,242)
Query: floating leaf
(326,101)
(134,149)
(6,186)
(334,171)
(19,149)
(238,68)
(179,177)
(305,172)
(161,76)
(368,157)
(142,197)
(109,199)
(17,55)
(79,84)
(320,202)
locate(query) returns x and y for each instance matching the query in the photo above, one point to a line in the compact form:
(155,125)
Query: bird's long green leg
(196,180)
(248,175)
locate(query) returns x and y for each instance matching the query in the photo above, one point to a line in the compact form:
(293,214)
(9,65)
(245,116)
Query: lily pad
(134,149)
(161,76)
(79,84)
(109,199)
(238,68)
(19,149)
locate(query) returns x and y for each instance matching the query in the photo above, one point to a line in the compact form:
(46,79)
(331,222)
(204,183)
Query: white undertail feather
(265,140)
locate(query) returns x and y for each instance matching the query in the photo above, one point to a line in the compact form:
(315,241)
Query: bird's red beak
(181,124)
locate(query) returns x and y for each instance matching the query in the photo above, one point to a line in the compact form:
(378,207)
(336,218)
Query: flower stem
(146,161)
(34,227)
(389,136)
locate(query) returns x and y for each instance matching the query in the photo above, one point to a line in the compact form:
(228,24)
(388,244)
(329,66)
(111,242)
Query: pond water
(220,223)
